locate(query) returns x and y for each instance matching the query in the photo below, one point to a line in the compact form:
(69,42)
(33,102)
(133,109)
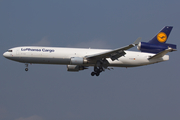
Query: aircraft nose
(5,54)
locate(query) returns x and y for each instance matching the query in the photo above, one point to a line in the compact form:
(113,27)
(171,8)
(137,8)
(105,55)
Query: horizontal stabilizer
(161,54)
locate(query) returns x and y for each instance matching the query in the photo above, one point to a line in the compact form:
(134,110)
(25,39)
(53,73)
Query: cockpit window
(9,50)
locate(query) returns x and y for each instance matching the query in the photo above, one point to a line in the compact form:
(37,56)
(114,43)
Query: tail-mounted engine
(154,48)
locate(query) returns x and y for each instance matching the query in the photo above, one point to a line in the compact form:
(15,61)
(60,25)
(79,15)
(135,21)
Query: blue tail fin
(158,43)
(162,36)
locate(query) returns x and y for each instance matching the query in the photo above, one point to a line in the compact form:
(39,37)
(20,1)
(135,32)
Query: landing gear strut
(26,69)
(97,71)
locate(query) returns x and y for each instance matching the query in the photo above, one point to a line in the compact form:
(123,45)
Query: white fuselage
(59,55)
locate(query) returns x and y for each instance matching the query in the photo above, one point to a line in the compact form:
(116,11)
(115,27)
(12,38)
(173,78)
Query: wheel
(92,74)
(97,74)
(26,69)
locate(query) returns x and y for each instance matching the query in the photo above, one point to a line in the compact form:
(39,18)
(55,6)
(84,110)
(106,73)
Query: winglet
(137,41)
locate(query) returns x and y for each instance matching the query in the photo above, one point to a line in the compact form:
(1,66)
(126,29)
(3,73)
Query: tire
(26,69)
(92,74)
(97,74)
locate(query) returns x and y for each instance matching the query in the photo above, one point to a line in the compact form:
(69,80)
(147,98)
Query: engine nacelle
(154,48)
(78,61)
(75,68)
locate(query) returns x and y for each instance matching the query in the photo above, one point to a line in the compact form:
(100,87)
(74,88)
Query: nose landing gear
(26,69)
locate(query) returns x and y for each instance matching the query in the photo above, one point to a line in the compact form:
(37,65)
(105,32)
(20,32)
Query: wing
(113,54)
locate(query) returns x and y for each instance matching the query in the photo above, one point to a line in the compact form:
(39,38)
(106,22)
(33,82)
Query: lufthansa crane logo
(162,37)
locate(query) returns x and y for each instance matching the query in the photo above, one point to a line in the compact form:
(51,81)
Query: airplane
(78,59)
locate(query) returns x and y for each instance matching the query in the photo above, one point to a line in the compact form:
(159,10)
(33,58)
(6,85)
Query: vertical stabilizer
(162,36)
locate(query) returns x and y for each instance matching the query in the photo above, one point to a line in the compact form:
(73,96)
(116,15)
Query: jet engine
(154,48)
(75,68)
(77,61)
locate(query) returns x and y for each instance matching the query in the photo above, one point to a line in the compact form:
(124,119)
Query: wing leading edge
(113,54)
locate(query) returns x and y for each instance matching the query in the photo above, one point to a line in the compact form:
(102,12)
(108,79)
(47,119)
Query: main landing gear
(100,66)
(97,71)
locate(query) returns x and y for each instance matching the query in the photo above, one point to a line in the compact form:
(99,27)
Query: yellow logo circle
(162,37)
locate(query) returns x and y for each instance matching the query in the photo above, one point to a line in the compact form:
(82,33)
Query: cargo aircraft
(77,59)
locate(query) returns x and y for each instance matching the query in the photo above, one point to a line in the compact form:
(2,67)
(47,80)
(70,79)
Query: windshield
(9,50)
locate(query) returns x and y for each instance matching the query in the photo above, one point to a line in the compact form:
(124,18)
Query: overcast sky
(49,92)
